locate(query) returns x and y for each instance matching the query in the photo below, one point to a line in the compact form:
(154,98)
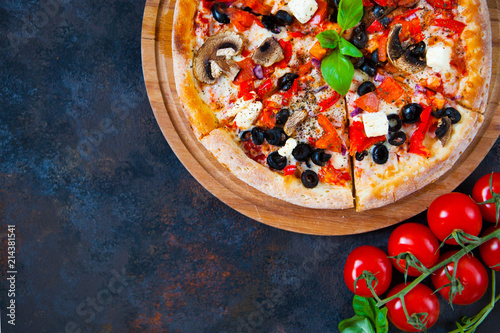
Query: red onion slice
(316,63)
(356,111)
(259,72)
(379,78)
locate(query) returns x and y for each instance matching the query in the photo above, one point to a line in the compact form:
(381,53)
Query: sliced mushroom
(213,58)
(294,121)
(403,58)
(268,53)
(443,132)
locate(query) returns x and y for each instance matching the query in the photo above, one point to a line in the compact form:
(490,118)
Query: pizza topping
(397,138)
(395,123)
(285,17)
(403,59)
(219,14)
(449,112)
(282,116)
(443,132)
(208,65)
(390,90)
(245,136)
(376,124)
(361,156)
(302,152)
(288,148)
(276,161)
(416,140)
(258,135)
(411,113)
(303,10)
(359,38)
(268,53)
(271,23)
(320,158)
(365,88)
(286,81)
(276,137)
(380,154)
(439,57)
(309,179)
(369,102)
(246,117)
(293,121)
(368,68)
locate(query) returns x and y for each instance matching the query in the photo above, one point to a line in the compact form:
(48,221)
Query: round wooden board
(158,74)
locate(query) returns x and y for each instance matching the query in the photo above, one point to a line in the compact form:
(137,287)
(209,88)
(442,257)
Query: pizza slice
(403,137)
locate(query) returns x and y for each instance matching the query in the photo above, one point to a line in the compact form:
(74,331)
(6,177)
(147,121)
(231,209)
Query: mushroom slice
(215,52)
(294,121)
(402,58)
(268,53)
(443,132)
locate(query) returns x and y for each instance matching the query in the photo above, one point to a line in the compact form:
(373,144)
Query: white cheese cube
(438,57)
(237,107)
(287,149)
(245,118)
(303,10)
(376,124)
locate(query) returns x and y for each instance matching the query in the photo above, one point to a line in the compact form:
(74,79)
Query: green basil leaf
(328,39)
(381,323)
(350,13)
(347,48)
(337,71)
(356,324)
(366,307)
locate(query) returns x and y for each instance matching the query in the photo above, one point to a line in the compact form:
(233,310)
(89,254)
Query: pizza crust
(287,188)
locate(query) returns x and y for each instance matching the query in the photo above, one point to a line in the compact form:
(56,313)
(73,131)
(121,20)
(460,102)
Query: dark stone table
(113,234)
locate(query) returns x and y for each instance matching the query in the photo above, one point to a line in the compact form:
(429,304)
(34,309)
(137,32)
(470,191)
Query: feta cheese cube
(237,107)
(287,149)
(245,118)
(303,10)
(376,124)
(438,57)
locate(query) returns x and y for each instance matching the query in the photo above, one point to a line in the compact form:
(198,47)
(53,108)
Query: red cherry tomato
(371,259)
(454,211)
(416,239)
(481,192)
(490,251)
(471,274)
(418,300)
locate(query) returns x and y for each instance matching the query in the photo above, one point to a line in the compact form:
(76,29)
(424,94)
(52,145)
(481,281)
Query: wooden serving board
(159,78)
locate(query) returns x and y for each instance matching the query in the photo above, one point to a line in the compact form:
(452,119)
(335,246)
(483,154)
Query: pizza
(334,104)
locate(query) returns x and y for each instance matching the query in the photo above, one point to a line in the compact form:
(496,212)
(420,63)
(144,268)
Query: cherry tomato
(371,259)
(471,274)
(481,192)
(490,251)
(416,239)
(454,211)
(420,299)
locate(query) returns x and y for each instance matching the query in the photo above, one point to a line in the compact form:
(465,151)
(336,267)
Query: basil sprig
(368,318)
(336,68)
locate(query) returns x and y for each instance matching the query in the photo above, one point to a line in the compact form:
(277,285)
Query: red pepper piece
(390,90)
(329,102)
(416,140)
(368,102)
(289,170)
(376,26)
(359,141)
(450,24)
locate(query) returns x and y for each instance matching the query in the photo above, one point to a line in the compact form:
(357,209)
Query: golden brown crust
(199,114)
(478,54)
(288,188)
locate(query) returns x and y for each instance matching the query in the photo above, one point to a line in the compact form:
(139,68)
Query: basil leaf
(337,71)
(356,324)
(328,39)
(381,323)
(347,48)
(366,307)
(350,13)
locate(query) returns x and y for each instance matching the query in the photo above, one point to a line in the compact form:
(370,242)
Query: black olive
(380,154)
(361,156)
(395,123)
(271,23)
(286,81)
(319,157)
(418,50)
(334,15)
(385,21)
(258,135)
(276,136)
(441,130)
(276,161)
(284,17)
(245,136)
(365,88)
(378,11)
(336,3)
(374,58)
(250,10)
(219,14)
(360,38)
(453,114)
(357,62)
(368,68)
(302,152)
(309,179)
(282,116)
(397,139)
(411,113)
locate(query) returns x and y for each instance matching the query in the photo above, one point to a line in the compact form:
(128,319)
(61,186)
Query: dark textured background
(114,235)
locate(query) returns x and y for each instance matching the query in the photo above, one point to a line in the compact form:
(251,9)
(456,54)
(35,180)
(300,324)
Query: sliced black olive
(453,114)
(276,161)
(245,136)
(357,62)
(441,130)
(385,21)
(309,179)
(302,152)
(250,10)
(286,81)
(319,157)
(361,156)
(418,50)
(374,58)
(365,88)
(378,11)
(360,38)
(397,139)
(368,68)
(411,113)
(271,23)
(258,135)
(284,17)
(276,136)
(380,154)
(395,123)
(334,15)
(219,14)
(282,116)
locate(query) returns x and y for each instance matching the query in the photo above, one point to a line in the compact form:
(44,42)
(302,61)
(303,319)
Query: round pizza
(334,104)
